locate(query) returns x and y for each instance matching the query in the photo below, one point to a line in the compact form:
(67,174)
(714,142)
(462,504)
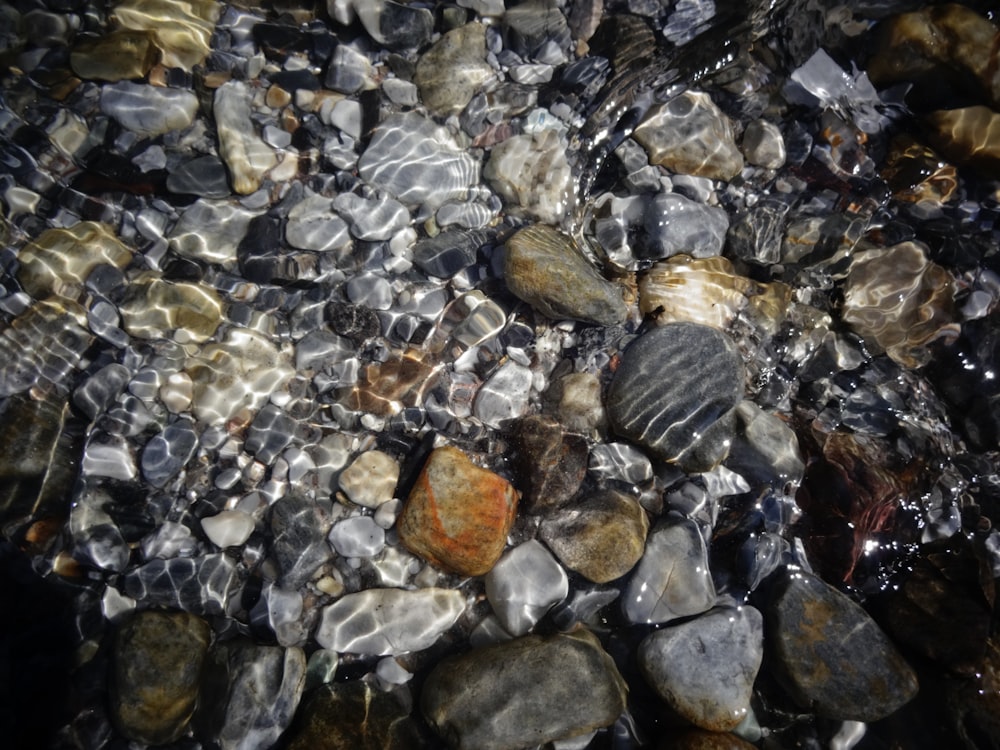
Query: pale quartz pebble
(176,393)
(503,397)
(371,479)
(525,584)
(247,157)
(391,672)
(230,528)
(210,231)
(110,458)
(357,537)
(386,513)
(148,110)
(532,172)
(764,145)
(386,622)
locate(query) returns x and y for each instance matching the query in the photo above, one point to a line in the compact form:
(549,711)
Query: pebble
(690,135)
(349,70)
(42,346)
(551,464)
(504,397)
(188,40)
(704,669)
(531,172)
(249,693)
(300,527)
(823,673)
(453,70)
(448,253)
(579,407)
(457,515)
(525,584)
(210,231)
(686,418)
(537,30)
(204,585)
(119,55)
(357,537)
(204,176)
(168,452)
(763,145)
(766,449)
(470,699)
(673,578)
(371,219)
(601,537)
(544,268)
(60,257)
(313,225)
(371,479)
(158,659)
(154,308)
(246,156)
(148,110)
(230,528)
(389,621)
(675,224)
(757,233)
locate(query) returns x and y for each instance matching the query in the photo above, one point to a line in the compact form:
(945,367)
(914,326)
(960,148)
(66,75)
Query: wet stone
(148,110)
(537,30)
(357,537)
(95,394)
(531,172)
(117,56)
(453,70)
(246,156)
(763,145)
(201,585)
(371,479)
(97,540)
(445,254)
(230,528)
(687,417)
(348,71)
(68,256)
(690,135)
(154,308)
(705,669)
(504,397)
(389,621)
(457,515)
(185,41)
(271,431)
(551,464)
(300,527)
(765,449)
(756,235)
(969,136)
(674,224)
(525,584)
(601,537)
(544,268)
(158,658)
(823,673)
(204,176)
(524,692)
(371,219)
(672,579)
(210,231)
(167,453)
(313,225)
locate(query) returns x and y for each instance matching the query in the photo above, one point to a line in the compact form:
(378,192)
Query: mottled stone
(182,28)
(154,308)
(371,479)
(675,224)
(537,30)
(389,621)
(247,157)
(674,392)
(544,268)
(704,669)
(300,527)
(67,256)
(157,667)
(525,584)
(148,110)
(532,173)
(830,655)
(453,70)
(203,585)
(210,231)
(504,397)
(690,135)
(601,537)
(457,515)
(168,452)
(524,693)
(672,579)
(116,56)
(551,464)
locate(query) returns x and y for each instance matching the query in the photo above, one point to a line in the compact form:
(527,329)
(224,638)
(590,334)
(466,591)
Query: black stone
(446,254)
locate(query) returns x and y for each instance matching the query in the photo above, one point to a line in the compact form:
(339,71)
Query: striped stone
(674,392)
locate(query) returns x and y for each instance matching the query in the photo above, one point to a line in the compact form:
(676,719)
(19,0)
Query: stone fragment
(900,301)
(354,716)
(204,176)
(830,655)
(371,479)
(148,110)
(349,70)
(453,70)
(766,450)
(358,536)
(154,308)
(675,224)
(674,392)
(249,693)
(690,135)
(182,28)
(210,231)
(457,515)
(158,658)
(544,268)
(601,537)
(705,668)
(551,464)
(300,527)
(525,584)
(389,621)
(59,257)
(532,173)
(247,157)
(524,692)
(763,144)
(119,55)
(756,235)
(672,579)
(392,24)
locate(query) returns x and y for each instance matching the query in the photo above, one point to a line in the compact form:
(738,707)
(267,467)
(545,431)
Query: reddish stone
(458,515)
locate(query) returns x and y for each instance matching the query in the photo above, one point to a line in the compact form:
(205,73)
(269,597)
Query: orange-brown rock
(458,515)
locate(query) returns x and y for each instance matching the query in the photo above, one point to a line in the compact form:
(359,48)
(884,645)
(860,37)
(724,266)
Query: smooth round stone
(524,692)
(525,584)
(453,70)
(763,144)
(167,453)
(830,655)
(210,231)
(68,256)
(148,110)
(357,537)
(230,528)
(705,668)
(246,156)
(158,660)
(675,224)
(674,391)
(543,267)
(600,537)
(458,515)
(532,173)
(154,308)
(371,479)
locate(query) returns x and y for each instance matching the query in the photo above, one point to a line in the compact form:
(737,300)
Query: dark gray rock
(167,453)
(830,655)
(447,253)
(551,464)
(300,527)
(201,585)
(270,433)
(524,692)
(674,393)
(204,176)
(675,224)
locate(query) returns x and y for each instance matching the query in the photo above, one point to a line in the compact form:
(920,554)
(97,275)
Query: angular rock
(457,515)
(453,70)
(674,392)
(525,584)
(504,397)
(158,658)
(705,668)
(532,173)
(672,579)
(551,464)
(766,449)
(763,144)
(830,655)
(601,537)
(544,268)
(389,621)
(524,693)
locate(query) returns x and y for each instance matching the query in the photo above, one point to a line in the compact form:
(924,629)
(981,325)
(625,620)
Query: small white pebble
(230,528)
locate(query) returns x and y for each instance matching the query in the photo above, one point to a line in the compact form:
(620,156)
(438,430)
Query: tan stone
(67,256)
(121,55)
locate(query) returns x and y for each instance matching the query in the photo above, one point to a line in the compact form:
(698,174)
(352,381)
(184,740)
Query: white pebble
(230,528)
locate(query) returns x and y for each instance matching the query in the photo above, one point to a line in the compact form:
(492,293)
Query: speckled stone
(458,515)
(453,70)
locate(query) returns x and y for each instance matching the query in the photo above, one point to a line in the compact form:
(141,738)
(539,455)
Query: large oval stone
(524,692)
(674,393)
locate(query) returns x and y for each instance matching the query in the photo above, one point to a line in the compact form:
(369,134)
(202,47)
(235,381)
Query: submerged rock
(246,155)
(453,70)
(120,55)
(59,257)
(525,584)
(182,29)
(969,136)
(524,692)
(154,308)
(148,110)
(532,173)
(551,464)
